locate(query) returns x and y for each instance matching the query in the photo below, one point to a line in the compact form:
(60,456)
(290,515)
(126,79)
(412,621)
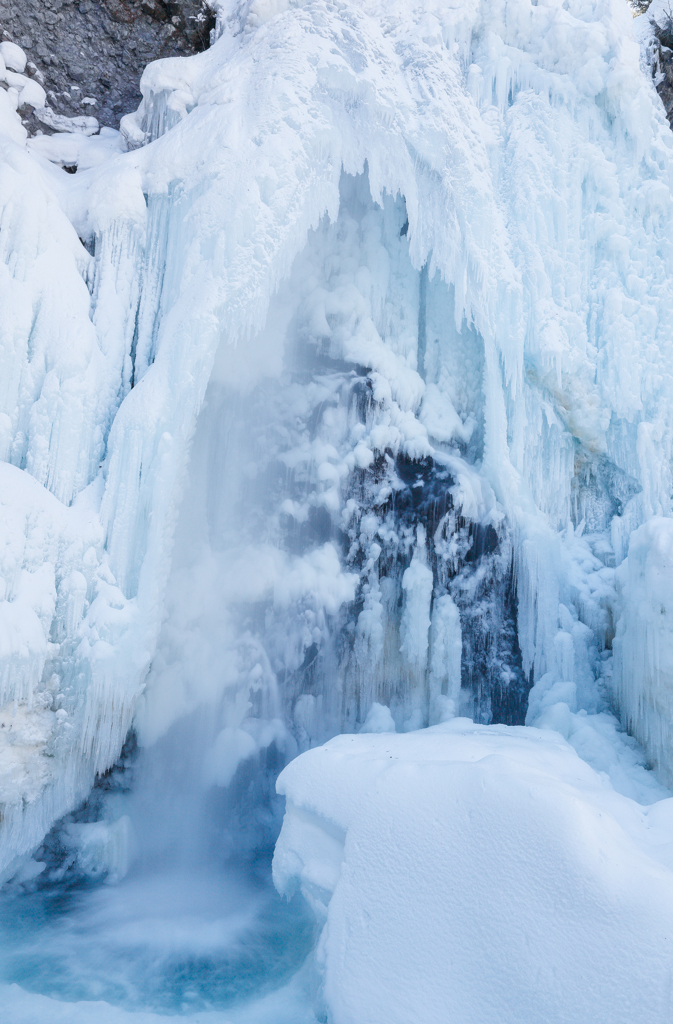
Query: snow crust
(478,874)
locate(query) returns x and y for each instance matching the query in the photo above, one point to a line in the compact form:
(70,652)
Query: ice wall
(70,673)
(516,198)
(548,279)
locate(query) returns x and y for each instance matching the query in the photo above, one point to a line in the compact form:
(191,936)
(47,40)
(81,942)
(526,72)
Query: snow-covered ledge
(478,874)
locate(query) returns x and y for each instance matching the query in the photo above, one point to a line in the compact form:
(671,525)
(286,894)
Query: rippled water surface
(172,942)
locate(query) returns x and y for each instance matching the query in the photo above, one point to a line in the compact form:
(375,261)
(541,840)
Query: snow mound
(478,874)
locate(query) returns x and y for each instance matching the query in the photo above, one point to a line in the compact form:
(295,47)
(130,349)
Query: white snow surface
(478,874)
(534,162)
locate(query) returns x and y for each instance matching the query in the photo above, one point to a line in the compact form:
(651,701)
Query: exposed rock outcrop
(89,54)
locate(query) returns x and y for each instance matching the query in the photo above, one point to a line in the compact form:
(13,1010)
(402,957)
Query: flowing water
(170,941)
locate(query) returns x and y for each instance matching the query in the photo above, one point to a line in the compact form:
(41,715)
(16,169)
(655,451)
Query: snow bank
(479,874)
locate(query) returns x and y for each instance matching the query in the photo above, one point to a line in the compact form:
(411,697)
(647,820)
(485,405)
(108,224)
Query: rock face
(663,62)
(90,54)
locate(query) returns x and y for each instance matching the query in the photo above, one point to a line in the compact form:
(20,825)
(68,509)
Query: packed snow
(478,874)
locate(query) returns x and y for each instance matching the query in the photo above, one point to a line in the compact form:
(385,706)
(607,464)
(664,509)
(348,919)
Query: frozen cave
(336,524)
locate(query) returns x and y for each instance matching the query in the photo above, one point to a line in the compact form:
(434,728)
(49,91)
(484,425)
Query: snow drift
(478,874)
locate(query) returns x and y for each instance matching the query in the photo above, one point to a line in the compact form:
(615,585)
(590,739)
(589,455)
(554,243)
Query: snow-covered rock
(478,874)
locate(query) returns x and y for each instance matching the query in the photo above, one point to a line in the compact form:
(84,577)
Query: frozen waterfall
(337,399)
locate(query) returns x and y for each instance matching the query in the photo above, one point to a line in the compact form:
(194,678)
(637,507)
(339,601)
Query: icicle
(417,586)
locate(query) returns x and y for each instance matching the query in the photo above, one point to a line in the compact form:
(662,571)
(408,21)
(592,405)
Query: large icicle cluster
(327,548)
(454,221)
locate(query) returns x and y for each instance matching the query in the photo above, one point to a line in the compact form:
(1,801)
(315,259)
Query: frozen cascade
(351,413)
(304,488)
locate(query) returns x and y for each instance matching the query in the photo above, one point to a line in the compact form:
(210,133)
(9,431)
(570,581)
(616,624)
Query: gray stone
(662,65)
(99,48)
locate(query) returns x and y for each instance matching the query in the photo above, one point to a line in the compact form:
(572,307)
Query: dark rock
(99,48)
(660,58)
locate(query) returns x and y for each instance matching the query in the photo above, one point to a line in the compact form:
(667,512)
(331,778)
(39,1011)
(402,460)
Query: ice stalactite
(66,374)
(642,645)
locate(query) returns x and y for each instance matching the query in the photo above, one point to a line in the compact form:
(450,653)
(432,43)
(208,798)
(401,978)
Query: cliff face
(90,54)
(663,63)
(653,25)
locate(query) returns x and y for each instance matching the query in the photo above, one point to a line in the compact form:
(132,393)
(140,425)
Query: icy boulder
(430,856)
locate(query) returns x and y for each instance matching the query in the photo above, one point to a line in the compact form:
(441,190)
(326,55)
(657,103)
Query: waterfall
(337,404)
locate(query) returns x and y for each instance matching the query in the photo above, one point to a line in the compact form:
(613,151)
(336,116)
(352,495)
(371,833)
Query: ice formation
(337,399)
